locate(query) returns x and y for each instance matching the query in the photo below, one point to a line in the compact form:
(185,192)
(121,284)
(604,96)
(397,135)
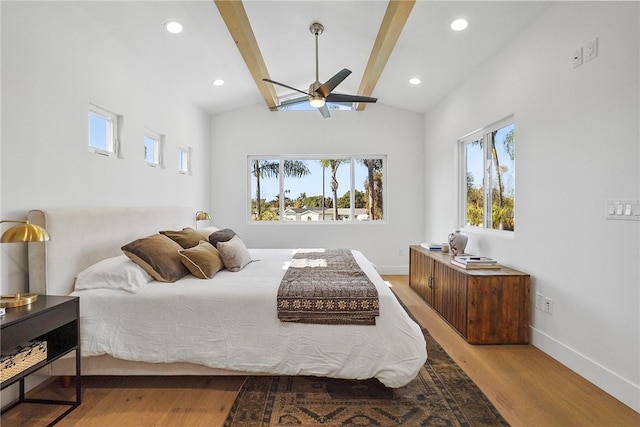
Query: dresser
(485,306)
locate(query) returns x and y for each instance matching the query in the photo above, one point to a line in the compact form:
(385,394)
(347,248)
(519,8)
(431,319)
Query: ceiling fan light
(316,101)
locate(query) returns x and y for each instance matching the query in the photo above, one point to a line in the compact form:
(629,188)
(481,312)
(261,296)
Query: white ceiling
(204,51)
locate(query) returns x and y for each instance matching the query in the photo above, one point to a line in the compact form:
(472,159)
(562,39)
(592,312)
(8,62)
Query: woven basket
(21,359)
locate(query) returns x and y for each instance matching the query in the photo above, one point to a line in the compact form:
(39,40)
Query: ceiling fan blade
(324,111)
(338,97)
(287,86)
(334,81)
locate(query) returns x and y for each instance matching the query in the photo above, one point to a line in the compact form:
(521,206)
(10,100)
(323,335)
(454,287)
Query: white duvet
(231,322)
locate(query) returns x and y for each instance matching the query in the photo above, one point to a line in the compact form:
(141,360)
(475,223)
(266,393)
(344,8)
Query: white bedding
(230,322)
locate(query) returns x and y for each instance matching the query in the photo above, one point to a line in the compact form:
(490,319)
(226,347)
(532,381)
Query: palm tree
(373,166)
(508,144)
(271,169)
(333,166)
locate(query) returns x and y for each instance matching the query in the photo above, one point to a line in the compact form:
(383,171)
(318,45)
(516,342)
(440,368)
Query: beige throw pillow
(203,261)
(186,238)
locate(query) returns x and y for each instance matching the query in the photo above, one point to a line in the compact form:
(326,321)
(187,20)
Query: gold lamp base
(17,300)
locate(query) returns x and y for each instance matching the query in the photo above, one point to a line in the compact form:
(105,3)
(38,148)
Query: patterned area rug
(441,395)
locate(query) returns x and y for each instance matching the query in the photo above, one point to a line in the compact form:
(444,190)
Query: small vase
(457,242)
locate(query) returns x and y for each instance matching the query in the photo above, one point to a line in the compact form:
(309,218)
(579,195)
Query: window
(184,160)
(153,148)
(330,189)
(104,137)
(488,177)
(301,103)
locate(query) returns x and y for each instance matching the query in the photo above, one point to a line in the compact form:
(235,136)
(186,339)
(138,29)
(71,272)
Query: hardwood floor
(528,388)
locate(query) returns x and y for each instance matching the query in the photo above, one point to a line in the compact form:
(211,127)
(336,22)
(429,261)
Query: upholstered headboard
(82,237)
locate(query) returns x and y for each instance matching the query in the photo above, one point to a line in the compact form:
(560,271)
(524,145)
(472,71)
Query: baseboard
(612,383)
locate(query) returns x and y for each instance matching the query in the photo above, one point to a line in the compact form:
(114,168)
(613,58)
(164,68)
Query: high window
(298,103)
(104,136)
(184,160)
(153,148)
(322,189)
(487,177)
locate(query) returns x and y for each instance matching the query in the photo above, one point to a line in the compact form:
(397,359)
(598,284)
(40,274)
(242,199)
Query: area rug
(441,395)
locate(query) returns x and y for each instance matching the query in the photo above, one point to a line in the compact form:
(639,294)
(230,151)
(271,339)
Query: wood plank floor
(528,388)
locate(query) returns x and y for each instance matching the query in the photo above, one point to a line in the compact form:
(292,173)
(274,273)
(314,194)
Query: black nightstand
(54,319)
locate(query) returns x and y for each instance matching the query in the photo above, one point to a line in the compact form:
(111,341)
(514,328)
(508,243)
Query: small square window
(184,160)
(153,148)
(103,131)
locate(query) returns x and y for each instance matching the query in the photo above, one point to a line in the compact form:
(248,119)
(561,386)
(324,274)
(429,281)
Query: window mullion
(281,191)
(352,191)
(488,202)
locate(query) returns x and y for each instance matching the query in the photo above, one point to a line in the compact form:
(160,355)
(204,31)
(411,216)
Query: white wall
(55,60)
(577,144)
(378,130)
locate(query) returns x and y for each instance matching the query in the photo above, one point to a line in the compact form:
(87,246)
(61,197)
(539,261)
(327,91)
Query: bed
(226,325)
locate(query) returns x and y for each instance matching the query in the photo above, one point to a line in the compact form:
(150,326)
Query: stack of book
(474,262)
(432,246)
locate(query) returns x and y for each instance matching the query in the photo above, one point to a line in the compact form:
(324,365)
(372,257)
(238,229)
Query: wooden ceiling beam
(235,17)
(395,17)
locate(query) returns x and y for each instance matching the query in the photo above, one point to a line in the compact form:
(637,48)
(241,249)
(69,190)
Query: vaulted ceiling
(383,43)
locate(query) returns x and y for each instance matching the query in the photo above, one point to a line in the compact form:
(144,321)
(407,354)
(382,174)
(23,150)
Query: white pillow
(205,232)
(113,273)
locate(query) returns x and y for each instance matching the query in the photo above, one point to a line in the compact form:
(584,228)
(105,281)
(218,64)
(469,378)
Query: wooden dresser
(486,306)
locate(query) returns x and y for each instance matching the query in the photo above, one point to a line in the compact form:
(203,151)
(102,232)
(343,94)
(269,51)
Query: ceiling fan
(321,93)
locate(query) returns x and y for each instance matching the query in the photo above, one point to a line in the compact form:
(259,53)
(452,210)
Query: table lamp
(23,232)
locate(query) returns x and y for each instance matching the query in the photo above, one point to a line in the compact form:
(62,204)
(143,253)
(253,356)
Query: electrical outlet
(539,301)
(591,50)
(548,305)
(577,57)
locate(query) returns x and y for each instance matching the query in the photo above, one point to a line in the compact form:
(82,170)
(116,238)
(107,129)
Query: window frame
(114,124)
(182,151)
(281,183)
(158,155)
(483,134)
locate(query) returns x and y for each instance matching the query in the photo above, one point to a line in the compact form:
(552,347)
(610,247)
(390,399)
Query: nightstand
(54,320)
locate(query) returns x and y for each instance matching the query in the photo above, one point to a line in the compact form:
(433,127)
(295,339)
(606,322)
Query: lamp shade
(202,216)
(24,232)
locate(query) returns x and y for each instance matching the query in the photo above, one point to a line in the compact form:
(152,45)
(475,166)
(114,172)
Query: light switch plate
(623,209)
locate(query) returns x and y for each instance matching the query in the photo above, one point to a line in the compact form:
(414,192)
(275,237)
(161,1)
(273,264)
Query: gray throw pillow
(235,255)
(223,235)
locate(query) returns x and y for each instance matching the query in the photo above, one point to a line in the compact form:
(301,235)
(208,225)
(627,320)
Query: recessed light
(217,82)
(174,27)
(459,24)
(414,81)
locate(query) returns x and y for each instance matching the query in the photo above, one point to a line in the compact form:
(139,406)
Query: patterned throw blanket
(327,286)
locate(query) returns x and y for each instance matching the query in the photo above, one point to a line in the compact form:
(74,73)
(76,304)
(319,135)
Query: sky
(312,184)
(474,161)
